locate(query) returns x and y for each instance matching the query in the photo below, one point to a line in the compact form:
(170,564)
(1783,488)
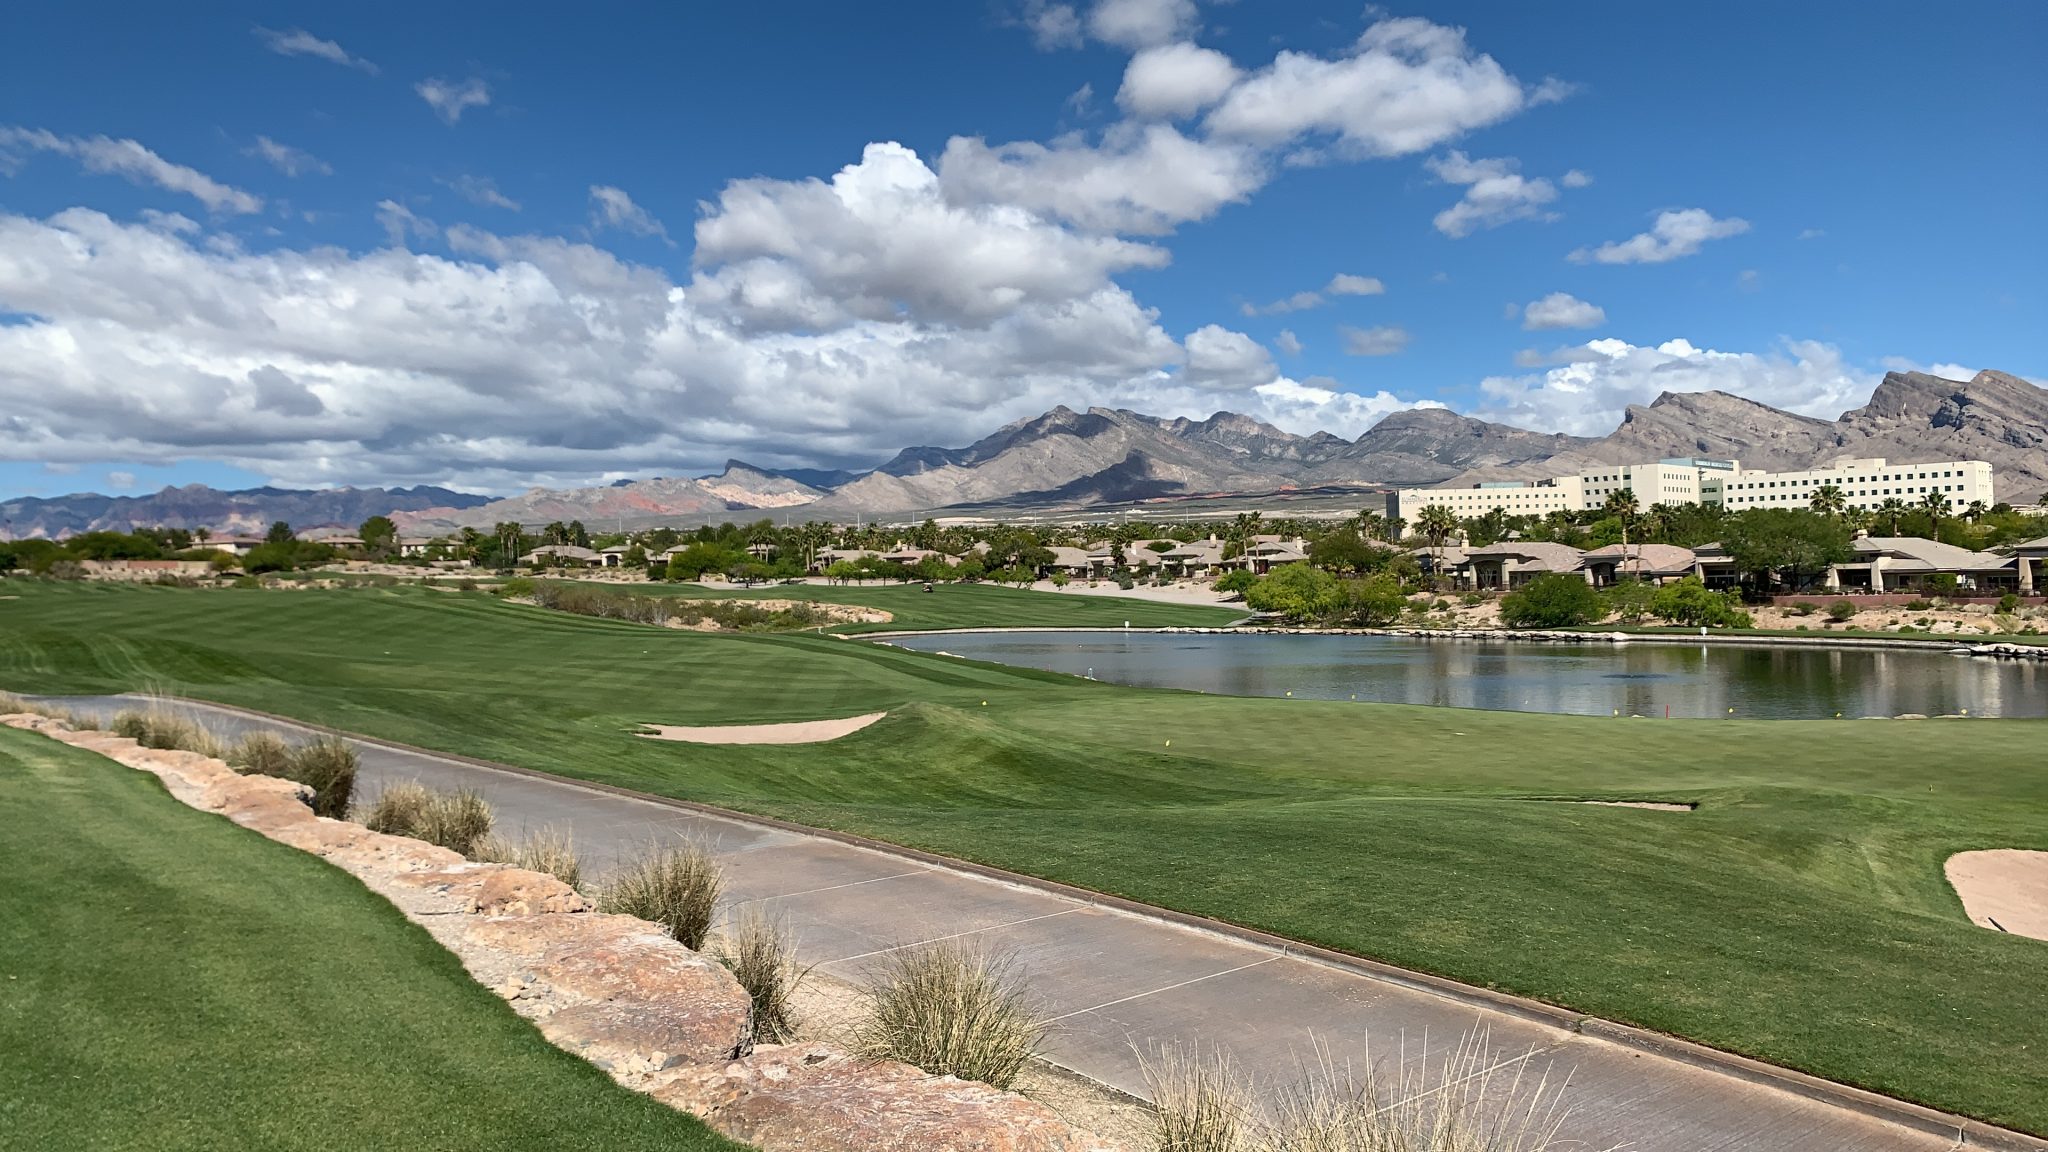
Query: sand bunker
(1652,805)
(802,732)
(2003,888)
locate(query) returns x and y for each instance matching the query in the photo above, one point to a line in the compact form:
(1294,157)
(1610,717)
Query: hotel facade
(1864,482)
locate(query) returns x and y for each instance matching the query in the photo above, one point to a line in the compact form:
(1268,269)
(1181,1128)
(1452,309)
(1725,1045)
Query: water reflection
(1592,679)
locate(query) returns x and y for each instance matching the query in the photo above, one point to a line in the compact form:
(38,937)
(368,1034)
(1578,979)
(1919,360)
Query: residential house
(2030,564)
(1649,563)
(563,556)
(1195,558)
(1262,554)
(418,545)
(1910,563)
(1513,563)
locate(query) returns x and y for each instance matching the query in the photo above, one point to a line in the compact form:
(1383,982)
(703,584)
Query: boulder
(519,892)
(818,1098)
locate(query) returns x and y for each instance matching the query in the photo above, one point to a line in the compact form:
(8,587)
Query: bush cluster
(616,604)
(327,765)
(458,821)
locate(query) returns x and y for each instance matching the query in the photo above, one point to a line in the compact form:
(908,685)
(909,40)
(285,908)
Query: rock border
(656,1016)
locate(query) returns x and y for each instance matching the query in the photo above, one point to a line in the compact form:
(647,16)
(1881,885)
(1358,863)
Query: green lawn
(172,981)
(1799,915)
(970,606)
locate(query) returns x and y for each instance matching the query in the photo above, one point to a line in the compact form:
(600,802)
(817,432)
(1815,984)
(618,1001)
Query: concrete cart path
(1118,982)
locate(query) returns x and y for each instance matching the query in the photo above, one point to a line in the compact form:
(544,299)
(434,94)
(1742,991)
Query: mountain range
(1068,460)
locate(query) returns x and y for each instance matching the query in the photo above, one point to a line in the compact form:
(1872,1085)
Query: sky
(497,246)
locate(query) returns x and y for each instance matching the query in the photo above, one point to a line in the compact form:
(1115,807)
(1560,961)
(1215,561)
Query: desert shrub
(1238,580)
(1841,611)
(1201,1103)
(260,754)
(160,726)
(328,766)
(1375,601)
(1470,599)
(674,885)
(458,821)
(1918,604)
(1803,608)
(761,955)
(1299,592)
(9,702)
(2008,604)
(544,850)
(953,1010)
(1552,600)
(1124,581)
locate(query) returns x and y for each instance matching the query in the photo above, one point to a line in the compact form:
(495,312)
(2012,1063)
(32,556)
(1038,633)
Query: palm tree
(1827,500)
(1892,510)
(1973,512)
(1371,524)
(1436,522)
(1621,504)
(1936,505)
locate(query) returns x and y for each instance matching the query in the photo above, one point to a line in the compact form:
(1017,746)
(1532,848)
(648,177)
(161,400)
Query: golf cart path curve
(1119,977)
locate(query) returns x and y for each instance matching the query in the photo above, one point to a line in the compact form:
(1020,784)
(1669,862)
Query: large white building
(1865,483)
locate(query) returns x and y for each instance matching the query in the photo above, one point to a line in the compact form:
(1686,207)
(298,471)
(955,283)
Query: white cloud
(129,159)
(1495,193)
(289,160)
(611,208)
(1589,395)
(1052,25)
(1947,371)
(1561,310)
(451,98)
(1811,233)
(399,221)
(1141,23)
(1319,404)
(299,42)
(1345,284)
(1175,80)
(1299,302)
(1140,178)
(1082,102)
(1406,85)
(1675,234)
(1222,360)
(1288,342)
(1384,340)
(481,190)
(120,480)
(1575,179)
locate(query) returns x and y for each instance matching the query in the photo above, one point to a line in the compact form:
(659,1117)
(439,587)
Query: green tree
(1374,602)
(280,533)
(1299,592)
(1344,550)
(1436,523)
(379,534)
(1239,580)
(1690,602)
(1621,505)
(1629,599)
(1827,500)
(1791,541)
(1552,600)
(1891,511)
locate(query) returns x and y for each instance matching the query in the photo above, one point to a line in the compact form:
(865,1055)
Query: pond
(1595,679)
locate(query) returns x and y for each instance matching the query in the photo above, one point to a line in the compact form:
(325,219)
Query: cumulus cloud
(1345,284)
(1589,395)
(120,480)
(1384,340)
(1299,302)
(1175,80)
(451,98)
(1561,310)
(1319,404)
(1141,23)
(1675,234)
(1288,342)
(1220,359)
(1575,179)
(1495,193)
(1405,86)
(399,222)
(611,208)
(299,42)
(481,190)
(287,159)
(1052,25)
(1138,178)
(131,161)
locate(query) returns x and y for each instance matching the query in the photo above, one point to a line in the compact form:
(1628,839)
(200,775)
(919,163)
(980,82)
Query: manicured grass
(1799,915)
(970,606)
(172,981)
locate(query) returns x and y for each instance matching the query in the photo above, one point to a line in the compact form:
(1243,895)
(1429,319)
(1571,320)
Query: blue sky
(504,245)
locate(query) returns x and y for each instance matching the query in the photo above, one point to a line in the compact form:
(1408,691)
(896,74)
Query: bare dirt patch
(801,732)
(2005,889)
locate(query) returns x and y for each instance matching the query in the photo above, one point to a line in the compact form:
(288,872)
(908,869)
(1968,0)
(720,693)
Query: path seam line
(1157,991)
(943,939)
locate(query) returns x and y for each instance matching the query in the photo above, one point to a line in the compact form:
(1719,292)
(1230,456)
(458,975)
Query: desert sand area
(2005,889)
(801,732)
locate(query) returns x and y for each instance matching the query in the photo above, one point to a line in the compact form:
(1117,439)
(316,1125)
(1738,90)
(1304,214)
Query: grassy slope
(970,606)
(173,981)
(1800,915)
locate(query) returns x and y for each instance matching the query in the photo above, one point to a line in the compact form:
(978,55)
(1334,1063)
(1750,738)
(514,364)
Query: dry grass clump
(1464,1099)
(952,1010)
(260,754)
(761,954)
(161,726)
(455,820)
(544,850)
(10,703)
(327,765)
(1202,1103)
(674,885)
